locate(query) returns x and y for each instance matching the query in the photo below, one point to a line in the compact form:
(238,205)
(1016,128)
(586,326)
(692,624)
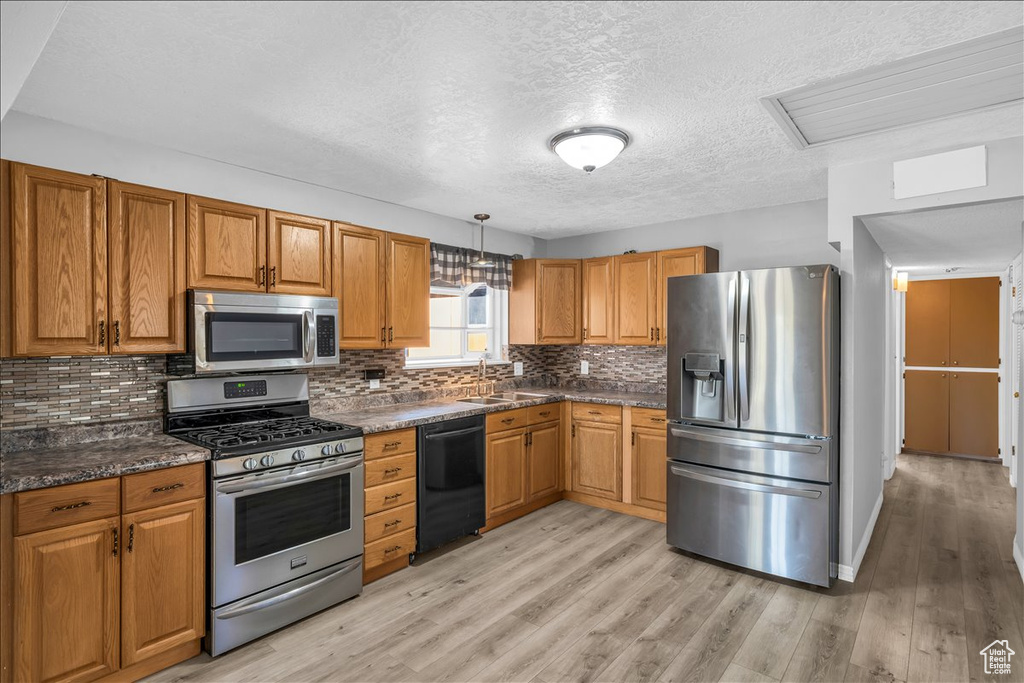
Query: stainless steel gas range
(285,532)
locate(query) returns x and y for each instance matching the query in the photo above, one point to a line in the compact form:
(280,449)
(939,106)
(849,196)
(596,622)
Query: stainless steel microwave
(233,332)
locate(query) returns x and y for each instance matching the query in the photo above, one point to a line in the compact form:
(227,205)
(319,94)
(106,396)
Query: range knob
(250,463)
(340,448)
(326,450)
(299,455)
(267,460)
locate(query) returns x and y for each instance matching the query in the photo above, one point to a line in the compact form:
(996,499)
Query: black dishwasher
(450,502)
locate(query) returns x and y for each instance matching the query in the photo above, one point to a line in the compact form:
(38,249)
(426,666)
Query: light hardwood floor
(573,593)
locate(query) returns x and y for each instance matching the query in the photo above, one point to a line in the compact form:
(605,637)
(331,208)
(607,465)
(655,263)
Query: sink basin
(517,396)
(483,400)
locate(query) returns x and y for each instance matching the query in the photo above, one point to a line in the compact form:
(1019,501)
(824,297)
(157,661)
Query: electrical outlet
(375,384)
(517,368)
(584,367)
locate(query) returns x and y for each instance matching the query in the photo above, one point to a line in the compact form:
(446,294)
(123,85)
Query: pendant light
(589,148)
(481,260)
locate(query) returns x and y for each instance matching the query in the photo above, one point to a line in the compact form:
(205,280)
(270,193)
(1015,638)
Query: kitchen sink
(483,400)
(518,396)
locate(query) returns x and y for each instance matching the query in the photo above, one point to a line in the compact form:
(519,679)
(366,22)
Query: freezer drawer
(777,526)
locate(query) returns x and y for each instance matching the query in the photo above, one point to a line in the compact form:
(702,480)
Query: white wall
(786,235)
(44,142)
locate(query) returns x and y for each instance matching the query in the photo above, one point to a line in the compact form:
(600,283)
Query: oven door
(272,527)
(233,338)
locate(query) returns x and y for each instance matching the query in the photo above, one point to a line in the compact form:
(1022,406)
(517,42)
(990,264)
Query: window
(466,324)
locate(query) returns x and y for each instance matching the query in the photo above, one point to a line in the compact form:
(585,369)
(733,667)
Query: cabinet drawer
(389,522)
(66,505)
(387,470)
(162,487)
(595,412)
(390,548)
(389,443)
(387,496)
(650,418)
(549,412)
(506,419)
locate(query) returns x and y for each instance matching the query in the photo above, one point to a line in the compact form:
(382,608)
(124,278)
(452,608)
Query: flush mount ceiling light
(481,260)
(589,148)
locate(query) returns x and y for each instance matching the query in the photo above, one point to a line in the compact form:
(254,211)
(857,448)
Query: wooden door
(927,323)
(974,413)
(408,291)
(147,269)
(163,590)
(649,465)
(59,250)
(598,301)
(636,281)
(926,410)
(66,602)
(298,254)
(5,259)
(359,267)
(597,459)
(974,322)
(674,263)
(542,461)
(559,302)
(506,471)
(227,246)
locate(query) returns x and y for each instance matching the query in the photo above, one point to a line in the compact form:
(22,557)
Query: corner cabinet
(545,302)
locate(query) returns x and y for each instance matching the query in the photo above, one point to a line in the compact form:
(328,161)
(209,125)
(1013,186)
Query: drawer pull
(392,470)
(393,496)
(593,412)
(161,489)
(545,413)
(657,419)
(73,506)
(508,420)
(392,549)
(390,445)
(394,522)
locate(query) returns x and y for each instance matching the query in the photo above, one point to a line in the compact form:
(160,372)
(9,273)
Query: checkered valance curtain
(452,266)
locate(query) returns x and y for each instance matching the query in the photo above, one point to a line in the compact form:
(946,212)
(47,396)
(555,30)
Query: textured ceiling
(448,107)
(979,237)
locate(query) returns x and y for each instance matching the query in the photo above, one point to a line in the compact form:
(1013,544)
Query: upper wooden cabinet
(674,263)
(227,246)
(298,254)
(545,302)
(598,300)
(953,323)
(408,291)
(147,269)
(636,279)
(59,262)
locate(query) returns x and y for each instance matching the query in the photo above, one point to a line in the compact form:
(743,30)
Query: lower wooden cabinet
(389,525)
(542,461)
(649,469)
(926,411)
(951,412)
(597,459)
(506,471)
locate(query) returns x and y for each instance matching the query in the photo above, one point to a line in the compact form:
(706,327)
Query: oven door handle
(247,607)
(268,484)
(308,332)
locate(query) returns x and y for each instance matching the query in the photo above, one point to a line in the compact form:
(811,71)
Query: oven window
(253,336)
(266,523)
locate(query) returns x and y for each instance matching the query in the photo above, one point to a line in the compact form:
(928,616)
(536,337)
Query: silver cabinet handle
(745,443)
(749,486)
(246,608)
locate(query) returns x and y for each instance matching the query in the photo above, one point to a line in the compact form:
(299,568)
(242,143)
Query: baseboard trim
(849,572)
(1018,554)
(616,506)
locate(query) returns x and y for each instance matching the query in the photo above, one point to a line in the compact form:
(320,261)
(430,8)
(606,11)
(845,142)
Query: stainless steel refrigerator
(753,408)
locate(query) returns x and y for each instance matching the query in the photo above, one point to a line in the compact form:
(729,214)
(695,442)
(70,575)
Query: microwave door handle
(743,348)
(730,357)
(269,483)
(247,606)
(308,333)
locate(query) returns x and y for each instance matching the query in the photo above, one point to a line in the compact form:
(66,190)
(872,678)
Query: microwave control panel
(325,341)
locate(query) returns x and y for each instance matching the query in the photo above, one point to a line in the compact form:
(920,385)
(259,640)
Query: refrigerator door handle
(738,484)
(730,387)
(743,347)
(744,443)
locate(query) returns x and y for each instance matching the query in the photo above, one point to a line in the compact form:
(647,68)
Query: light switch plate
(517,368)
(375,384)
(584,367)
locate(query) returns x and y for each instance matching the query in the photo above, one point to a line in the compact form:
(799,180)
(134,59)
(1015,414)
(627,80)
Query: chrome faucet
(481,376)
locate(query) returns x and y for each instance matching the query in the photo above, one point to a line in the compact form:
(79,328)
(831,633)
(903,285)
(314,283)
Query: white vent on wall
(976,74)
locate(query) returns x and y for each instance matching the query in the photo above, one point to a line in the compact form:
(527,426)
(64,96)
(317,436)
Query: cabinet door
(974,413)
(636,279)
(506,472)
(163,589)
(66,602)
(926,411)
(359,285)
(408,291)
(59,236)
(147,269)
(674,263)
(598,301)
(974,322)
(542,461)
(597,459)
(298,254)
(227,246)
(648,466)
(927,323)
(558,302)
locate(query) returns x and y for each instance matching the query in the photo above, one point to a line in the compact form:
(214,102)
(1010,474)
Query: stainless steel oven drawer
(778,526)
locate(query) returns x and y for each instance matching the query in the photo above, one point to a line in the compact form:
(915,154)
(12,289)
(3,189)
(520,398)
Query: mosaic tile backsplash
(51,392)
